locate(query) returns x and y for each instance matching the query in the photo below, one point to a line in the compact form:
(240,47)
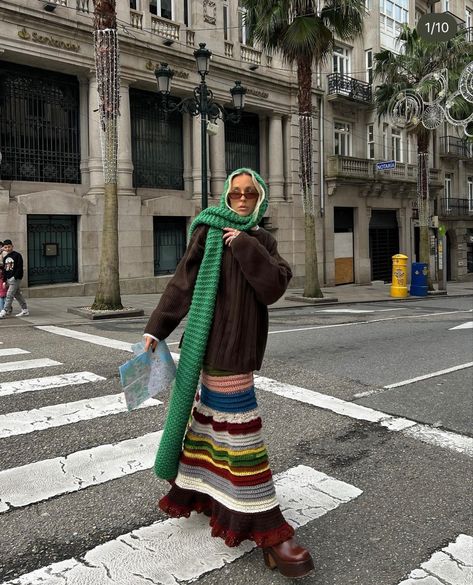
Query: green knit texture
(199,322)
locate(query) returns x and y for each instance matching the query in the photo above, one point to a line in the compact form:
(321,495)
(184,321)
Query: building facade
(51,177)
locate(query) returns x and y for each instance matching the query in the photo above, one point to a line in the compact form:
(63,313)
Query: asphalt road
(416,495)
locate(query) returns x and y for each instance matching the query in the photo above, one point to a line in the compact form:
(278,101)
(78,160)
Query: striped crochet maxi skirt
(223,468)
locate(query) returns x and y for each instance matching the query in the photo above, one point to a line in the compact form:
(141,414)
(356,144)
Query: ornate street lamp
(201,103)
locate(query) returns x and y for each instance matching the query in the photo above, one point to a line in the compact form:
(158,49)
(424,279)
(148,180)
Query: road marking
(355,311)
(165,552)
(467,325)
(367,322)
(12,351)
(48,382)
(35,482)
(57,415)
(451,565)
(95,339)
(27,365)
(412,380)
(424,433)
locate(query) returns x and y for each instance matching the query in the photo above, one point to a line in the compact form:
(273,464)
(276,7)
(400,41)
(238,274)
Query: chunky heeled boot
(291,559)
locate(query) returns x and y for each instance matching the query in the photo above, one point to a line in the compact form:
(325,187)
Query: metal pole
(203,139)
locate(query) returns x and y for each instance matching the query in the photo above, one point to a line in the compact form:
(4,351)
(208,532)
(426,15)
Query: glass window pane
(166,9)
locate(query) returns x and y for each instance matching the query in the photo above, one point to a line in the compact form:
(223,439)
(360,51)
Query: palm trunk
(304,76)
(106,60)
(423,202)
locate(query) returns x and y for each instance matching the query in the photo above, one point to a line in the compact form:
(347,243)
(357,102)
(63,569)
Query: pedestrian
(212,450)
(3,284)
(12,275)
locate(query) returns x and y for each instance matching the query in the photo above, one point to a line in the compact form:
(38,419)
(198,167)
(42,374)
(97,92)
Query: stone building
(51,172)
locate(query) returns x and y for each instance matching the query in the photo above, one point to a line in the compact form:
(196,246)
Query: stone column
(125,162)
(263,147)
(218,171)
(276,158)
(361,251)
(196,159)
(84,130)
(96,180)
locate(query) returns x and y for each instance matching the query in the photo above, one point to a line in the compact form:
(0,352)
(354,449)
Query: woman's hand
(229,235)
(150,342)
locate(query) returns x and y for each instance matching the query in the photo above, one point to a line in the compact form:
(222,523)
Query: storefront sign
(150,66)
(49,40)
(257,93)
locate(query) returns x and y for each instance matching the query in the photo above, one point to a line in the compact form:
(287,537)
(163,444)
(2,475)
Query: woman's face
(243,195)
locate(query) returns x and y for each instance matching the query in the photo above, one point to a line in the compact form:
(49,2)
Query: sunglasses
(247,194)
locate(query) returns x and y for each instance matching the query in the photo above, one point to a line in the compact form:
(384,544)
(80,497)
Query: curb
(96,315)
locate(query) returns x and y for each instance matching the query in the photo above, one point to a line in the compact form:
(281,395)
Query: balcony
(455,208)
(164,28)
(348,88)
(454,147)
(250,55)
(349,167)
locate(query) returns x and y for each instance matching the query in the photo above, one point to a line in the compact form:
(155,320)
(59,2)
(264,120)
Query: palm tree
(414,70)
(304,34)
(108,85)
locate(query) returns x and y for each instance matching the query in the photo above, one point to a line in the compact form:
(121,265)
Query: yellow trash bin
(399,281)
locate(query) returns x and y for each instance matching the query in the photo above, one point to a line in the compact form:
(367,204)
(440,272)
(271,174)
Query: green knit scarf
(199,322)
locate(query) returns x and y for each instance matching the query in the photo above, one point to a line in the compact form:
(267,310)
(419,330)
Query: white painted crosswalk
(48,382)
(21,365)
(12,351)
(165,552)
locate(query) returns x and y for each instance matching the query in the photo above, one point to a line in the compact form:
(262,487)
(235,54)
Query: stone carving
(210,12)
(48,40)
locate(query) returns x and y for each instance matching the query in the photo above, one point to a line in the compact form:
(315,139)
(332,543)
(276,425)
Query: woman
(228,275)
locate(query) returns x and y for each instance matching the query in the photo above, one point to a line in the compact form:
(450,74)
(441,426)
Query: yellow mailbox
(399,281)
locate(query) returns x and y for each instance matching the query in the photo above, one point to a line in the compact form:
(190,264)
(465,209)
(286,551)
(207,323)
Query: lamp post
(201,103)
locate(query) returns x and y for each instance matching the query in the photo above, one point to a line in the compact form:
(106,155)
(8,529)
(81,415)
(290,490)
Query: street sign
(385,165)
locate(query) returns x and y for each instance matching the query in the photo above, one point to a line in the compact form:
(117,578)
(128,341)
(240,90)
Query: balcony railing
(250,55)
(363,168)
(455,207)
(82,6)
(454,147)
(164,28)
(349,87)
(229,49)
(136,19)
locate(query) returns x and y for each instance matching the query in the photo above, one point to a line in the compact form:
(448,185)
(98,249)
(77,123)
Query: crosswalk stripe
(28,365)
(176,550)
(38,419)
(81,336)
(421,432)
(35,482)
(467,325)
(451,565)
(48,382)
(12,351)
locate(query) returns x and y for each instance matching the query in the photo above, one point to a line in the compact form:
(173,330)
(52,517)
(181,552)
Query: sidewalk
(50,311)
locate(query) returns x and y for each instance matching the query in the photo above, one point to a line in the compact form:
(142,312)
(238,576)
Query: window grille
(242,143)
(169,243)
(39,125)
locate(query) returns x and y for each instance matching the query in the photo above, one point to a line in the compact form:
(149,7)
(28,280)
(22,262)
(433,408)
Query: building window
(448,190)
(370,140)
(242,143)
(393,14)
(187,13)
(243,28)
(39,125)
(341,60)
(470,193)
(385,141)
(161,8)
(225,20)
(157,143)
(411,149)
(446,5)
(396,145)
(134,4)
(469,24)
(169,236)
(342,138)
(369,65)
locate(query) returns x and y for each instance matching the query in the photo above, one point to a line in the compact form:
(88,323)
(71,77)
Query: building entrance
(384,243)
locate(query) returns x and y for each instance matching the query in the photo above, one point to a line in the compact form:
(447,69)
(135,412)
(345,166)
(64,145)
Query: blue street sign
(387,164)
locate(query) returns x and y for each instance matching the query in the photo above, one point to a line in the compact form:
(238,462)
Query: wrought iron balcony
(345,87)
(455,207)
(454,147)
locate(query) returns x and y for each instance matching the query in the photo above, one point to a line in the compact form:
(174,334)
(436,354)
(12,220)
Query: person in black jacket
(12,275)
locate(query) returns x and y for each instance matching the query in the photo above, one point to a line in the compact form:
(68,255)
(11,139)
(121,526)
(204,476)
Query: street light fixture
(201,103)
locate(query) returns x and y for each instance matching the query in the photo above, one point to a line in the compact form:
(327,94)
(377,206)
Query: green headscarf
(200,319)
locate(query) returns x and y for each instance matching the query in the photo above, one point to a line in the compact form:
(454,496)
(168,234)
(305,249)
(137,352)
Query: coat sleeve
(264,269)
(176,299)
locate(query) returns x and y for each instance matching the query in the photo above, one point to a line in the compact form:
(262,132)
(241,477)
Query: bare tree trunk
(304,75)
